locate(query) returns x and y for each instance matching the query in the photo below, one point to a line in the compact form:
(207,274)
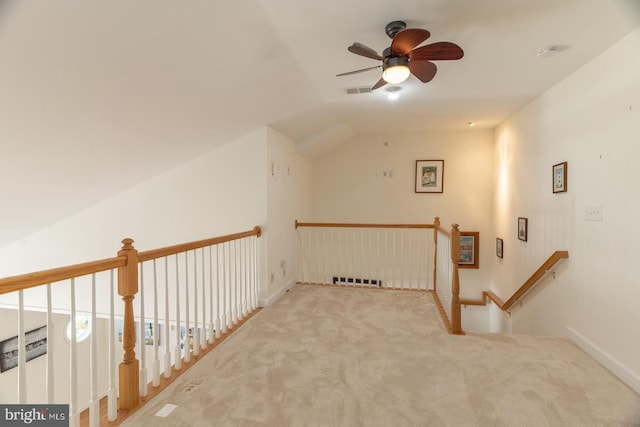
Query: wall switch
(593,213)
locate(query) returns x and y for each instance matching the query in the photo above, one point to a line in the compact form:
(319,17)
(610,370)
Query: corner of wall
(265,301)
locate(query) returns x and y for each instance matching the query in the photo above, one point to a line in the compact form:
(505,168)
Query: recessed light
(393,92)
(471,124)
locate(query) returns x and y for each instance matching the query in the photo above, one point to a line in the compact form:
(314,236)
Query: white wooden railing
(198,290)
(392,256)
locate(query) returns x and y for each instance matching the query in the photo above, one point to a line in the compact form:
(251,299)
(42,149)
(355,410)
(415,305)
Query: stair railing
(420,257)
(541,272)
(221,273)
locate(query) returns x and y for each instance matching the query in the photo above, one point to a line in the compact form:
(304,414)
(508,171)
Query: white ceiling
(98,96)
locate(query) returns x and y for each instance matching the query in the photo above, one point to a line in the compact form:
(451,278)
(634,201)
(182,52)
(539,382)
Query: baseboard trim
(625,374)
(265,302)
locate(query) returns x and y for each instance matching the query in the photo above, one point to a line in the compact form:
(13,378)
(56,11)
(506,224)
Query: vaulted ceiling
(97,96)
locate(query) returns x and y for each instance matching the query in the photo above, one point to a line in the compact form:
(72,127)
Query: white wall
(223,191)
(592,121)
(348,187)
(289,198)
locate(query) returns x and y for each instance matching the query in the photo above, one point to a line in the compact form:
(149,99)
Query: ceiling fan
(403,58)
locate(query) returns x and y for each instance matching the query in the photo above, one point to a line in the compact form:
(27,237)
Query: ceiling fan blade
(366,51)
(358,71)
(425,71)
(407,39)
(437,52)
(380,83)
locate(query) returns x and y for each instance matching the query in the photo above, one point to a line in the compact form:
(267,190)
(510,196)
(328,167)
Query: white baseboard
(267,301)
(625,374)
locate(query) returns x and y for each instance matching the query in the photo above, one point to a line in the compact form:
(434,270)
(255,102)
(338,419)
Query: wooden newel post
(456,316)
(128,386)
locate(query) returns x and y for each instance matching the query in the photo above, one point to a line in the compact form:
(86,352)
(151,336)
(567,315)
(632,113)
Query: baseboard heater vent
(356,280)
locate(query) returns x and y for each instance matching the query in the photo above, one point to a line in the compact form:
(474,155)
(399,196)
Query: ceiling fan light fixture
(396,74)
(395,69)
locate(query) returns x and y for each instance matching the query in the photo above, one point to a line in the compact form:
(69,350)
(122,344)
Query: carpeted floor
(328,356)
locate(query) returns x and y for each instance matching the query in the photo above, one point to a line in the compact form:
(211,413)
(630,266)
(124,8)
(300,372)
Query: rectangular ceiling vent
(357,90)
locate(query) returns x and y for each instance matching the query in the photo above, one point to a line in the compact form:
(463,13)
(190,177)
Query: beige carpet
(327,356)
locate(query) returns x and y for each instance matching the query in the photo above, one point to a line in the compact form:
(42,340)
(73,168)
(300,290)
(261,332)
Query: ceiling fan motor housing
(394,28)
(393,61)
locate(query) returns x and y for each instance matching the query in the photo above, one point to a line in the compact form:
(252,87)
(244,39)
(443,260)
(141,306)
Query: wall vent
(357,90)
(347,280)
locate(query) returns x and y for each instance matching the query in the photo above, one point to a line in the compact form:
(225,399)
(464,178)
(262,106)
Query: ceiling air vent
(357,90)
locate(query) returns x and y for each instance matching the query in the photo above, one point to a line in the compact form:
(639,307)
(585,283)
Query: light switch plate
(593,213)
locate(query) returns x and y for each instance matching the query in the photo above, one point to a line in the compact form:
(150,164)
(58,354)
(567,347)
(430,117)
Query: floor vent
(356,280)
(357,90)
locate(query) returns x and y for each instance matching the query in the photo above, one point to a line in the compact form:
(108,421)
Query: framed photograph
(469,249)
(560,177)
(35,346)
(429,176)
(499,247)
(523,229)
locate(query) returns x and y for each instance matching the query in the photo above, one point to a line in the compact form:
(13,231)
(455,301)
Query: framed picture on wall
(469,252)
(499,247)
(429,176)
(560,177)
(523,225)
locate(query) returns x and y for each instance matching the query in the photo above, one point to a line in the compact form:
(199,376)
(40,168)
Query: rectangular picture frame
(499,247)
(469,249)
(429,176)
(560,177)
(523,228)
(35,346)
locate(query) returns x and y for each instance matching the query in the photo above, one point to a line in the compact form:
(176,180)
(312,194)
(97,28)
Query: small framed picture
(469,252)
(429,176)
(499,247)
(560,177)
(523,229)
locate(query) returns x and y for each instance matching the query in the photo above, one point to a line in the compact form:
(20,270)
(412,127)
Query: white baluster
(74,417)
(94,404)
(223,326)
(187,338)
(177,353)
(234,305)
(211,306)
(167,352)
(156,330)
(143,357)
(196,330)
(247,281)
(50,349)
(203,333)
(254,286)
(22,359)
(112,396)
(219,306)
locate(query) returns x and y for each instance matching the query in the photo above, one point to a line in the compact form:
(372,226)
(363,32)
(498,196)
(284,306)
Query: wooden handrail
(183,247)
(531,281)
(30,280)
(354,225)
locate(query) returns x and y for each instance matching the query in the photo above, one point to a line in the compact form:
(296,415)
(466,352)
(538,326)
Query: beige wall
(592,121)
(348,187)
